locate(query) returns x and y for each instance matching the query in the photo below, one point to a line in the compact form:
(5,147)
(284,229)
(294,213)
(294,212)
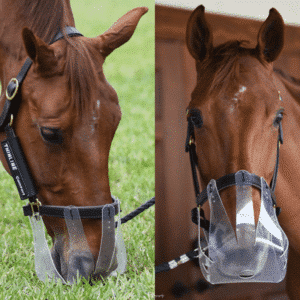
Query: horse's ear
(199,37)
(121,31)
(38,51)
(270,38)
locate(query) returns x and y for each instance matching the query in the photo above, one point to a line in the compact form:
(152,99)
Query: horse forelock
(81,75)
(223,65)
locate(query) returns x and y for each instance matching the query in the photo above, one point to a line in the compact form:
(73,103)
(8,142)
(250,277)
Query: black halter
(15,83)
(15,157)
(227,180)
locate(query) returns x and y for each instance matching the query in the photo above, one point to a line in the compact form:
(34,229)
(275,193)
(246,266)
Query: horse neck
(12,51)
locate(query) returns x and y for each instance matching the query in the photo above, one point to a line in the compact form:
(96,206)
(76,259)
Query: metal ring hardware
(11,120)
(16,81)
(37,203)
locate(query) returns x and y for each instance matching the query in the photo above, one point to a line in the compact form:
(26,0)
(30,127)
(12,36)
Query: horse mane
(45,18)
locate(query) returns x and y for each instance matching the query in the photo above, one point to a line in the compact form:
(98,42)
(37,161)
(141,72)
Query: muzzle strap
(226,181)
(80,257)
(85,212)
(112,256)
(120,249)
(107,249)
(44,265)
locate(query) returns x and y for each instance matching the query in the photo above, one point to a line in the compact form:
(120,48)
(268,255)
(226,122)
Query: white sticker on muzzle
(251,254)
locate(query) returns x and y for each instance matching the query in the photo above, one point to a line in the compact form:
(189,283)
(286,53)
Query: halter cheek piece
(195,120)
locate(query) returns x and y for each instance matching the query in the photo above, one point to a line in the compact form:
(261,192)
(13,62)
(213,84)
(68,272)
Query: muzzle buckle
(37,203)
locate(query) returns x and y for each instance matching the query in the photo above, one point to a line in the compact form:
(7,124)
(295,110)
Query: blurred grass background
(130,70)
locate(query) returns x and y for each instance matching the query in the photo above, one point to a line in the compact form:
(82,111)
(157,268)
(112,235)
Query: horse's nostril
(81,262)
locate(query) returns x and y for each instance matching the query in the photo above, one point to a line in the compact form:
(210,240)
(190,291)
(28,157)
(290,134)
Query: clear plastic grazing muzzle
(253,253)
(112,256)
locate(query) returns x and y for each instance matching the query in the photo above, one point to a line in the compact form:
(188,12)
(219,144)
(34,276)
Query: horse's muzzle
(252,253)
(78,260)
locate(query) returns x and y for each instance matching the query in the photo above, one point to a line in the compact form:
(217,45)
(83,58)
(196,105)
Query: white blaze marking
(235,98)
(241,90)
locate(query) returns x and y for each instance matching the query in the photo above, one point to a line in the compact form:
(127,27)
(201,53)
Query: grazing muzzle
(252,253)
(80,261)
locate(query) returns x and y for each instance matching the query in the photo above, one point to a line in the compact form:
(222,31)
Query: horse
(68,113)
(237,97)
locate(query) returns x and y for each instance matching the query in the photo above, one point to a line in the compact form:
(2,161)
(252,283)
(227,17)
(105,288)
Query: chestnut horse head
(237,103)
(68,113)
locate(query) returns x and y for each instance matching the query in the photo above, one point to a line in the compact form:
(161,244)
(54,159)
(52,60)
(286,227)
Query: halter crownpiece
(252,253)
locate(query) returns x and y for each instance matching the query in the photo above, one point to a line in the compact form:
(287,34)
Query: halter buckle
(16,82)
(38,204)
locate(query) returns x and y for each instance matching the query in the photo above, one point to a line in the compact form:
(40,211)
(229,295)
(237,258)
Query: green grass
(130,70)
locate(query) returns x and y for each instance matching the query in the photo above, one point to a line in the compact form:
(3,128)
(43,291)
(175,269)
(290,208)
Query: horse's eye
(196,117)
(52,135)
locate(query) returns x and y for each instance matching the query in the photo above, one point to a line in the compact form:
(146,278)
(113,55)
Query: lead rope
(191,149)
(137,211)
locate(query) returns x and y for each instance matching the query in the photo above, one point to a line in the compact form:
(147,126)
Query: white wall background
(255,9)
